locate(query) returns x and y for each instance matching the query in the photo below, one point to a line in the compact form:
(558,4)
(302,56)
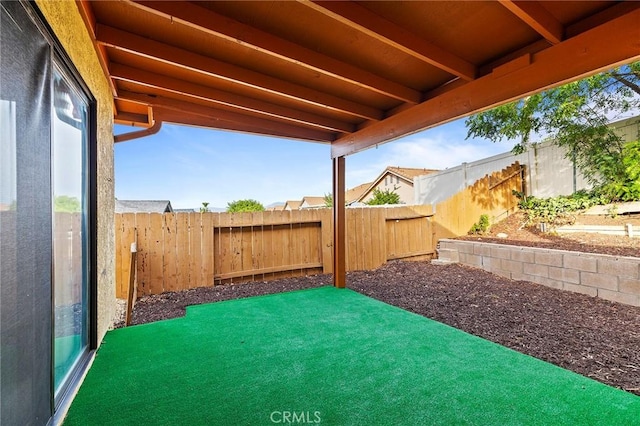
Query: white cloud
(440,149)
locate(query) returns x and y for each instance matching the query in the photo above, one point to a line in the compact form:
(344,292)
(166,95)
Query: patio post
(339,244)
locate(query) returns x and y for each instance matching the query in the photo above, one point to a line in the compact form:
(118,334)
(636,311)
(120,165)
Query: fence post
(339,225)
(131,296)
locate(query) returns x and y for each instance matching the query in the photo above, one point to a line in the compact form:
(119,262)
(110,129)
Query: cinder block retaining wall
(608,277)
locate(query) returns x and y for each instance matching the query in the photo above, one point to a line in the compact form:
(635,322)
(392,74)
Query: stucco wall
(68,26)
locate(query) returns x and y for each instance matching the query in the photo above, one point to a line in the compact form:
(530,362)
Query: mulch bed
(593,337)
(520,235)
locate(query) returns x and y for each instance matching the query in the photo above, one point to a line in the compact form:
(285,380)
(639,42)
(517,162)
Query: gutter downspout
(157,124)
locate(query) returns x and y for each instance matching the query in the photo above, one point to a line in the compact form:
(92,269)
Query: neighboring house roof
(143,206)
(354,193)
(405,173)
(292,205)
(185,210)
(408,172)
(310,202)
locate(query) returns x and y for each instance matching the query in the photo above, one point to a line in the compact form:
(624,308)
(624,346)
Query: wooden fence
(178,251)
(491,195)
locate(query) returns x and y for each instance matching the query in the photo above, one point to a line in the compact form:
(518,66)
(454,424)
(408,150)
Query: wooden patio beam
(266,126)
(339,224)
(537,17)
(611,44)
(86,12)
(130,118)
(190,119)
(204,65)
(377,27)
(206,93)
(203,19)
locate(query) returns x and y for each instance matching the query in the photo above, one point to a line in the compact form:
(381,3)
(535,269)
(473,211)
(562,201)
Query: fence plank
(246,243)
(296,240)
(183,255)
(128,237)
(169,258)
(118,259)
(326,225)
(142,258)
(257,248)
(314,251)
(284,232)
(377,245)
(195,250)
(206,249)
(223,245)
(267,244)
(390,230)
(156,253)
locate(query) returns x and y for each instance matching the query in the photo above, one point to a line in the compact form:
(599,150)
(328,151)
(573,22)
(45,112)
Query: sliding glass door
(69,170)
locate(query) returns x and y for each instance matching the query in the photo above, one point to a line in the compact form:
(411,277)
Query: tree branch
(631,85)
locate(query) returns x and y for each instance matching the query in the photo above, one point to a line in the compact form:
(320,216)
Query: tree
(383,197)
(328,200)
(205,207)
(67,204)
(248,205)
(576,117)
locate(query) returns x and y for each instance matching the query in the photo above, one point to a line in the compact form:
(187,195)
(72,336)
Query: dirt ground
(518,234)
(591,336)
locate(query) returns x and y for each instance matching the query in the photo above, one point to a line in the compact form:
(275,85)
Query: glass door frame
(71,76)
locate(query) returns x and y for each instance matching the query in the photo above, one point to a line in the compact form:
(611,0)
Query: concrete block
(616,296)
(535,269)
(564,274)
(472,260)
(520,276)
(482,249)
(465,247)
(591,279)
(548,258)
(576,288)
(446,244)
(629,285)
(511,265)
(501,272)
(488,262)
(448,254)
(522,255)
(548,282)
(441,262)
(501,252)
(583,263)
(613,266)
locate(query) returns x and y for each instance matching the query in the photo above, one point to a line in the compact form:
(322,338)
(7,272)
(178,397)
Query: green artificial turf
(328,356)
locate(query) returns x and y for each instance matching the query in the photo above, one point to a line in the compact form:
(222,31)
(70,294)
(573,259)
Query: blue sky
(189,165)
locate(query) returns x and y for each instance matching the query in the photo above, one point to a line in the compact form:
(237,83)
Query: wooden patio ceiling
(352,74)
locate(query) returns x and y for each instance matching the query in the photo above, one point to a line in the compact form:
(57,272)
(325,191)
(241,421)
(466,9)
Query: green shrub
(383,197)
(626,186)
(244,206)
(557,210)
(482,226)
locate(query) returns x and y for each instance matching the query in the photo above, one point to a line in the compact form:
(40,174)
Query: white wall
(548,172)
